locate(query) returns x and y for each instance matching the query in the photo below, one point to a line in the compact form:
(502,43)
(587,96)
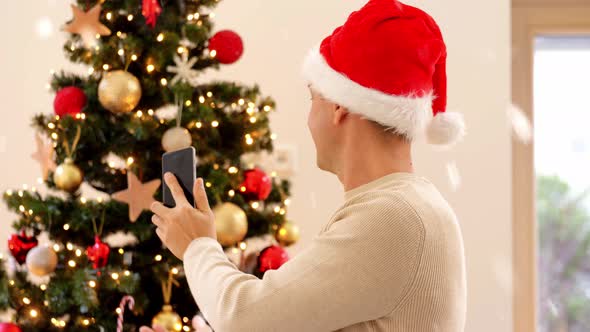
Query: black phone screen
(181,163)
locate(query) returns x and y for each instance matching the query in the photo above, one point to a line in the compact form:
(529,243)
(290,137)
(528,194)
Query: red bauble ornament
(69,100)
(20,245)
(150,9)
(9,327)
(98,253)
(256,186)
(228,46)
(271,258)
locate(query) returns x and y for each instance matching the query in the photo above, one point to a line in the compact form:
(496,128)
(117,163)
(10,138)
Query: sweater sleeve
(359,269)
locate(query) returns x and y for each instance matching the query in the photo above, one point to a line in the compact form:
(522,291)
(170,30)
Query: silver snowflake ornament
(184,70)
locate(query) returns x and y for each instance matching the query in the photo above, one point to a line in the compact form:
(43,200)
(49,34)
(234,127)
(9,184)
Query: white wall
(277,35)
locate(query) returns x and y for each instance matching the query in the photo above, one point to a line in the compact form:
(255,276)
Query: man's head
(337,133)
(387,63)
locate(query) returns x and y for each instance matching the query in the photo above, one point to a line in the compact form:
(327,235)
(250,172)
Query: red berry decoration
(227,45)
(69,100)
(20,245)
(271,258)
(256,186)
(98,253)
(9,327)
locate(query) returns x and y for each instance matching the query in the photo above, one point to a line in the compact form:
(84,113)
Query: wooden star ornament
(138,195)
(87,24)
(44,155)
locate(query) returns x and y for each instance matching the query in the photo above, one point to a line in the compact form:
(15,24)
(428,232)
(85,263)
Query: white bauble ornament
(41,260)
(176,138)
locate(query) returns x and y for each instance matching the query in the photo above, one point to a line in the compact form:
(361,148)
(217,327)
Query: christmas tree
(142,96)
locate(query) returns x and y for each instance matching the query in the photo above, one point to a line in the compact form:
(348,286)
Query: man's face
(323,130)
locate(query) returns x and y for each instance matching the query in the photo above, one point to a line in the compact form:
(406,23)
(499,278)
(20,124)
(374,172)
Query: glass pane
(562,164)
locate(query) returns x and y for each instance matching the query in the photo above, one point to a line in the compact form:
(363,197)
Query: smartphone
(183,164)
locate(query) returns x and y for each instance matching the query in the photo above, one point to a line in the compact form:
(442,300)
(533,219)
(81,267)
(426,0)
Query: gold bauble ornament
(119,91)
(231,224)
(168,319)
(176,138)
(287,234)
(68,176)
(41,260)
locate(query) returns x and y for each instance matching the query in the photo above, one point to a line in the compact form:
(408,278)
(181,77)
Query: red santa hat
(388,63)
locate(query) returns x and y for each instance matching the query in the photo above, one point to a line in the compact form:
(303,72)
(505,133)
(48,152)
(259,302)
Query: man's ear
(339,114)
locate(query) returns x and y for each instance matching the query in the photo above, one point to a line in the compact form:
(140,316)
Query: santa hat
(388,63)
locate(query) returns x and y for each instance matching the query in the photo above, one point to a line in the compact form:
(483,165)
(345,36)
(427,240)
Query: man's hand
(179,226)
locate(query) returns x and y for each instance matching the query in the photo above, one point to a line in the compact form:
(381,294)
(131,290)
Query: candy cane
(127,299)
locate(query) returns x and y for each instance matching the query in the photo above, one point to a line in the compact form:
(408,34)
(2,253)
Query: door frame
(529,19)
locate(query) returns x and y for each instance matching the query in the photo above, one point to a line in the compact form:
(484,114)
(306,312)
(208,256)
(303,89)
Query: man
(391,257)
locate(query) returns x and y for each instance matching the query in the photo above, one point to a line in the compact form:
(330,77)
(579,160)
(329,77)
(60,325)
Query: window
(561,91)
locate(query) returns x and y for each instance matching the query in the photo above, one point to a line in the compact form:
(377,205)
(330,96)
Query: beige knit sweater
(390,259)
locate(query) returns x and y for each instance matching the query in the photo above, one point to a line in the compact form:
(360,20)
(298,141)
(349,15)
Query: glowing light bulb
(33,313)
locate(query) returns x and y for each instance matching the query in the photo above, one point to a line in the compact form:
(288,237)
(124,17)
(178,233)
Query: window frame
(529,19)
